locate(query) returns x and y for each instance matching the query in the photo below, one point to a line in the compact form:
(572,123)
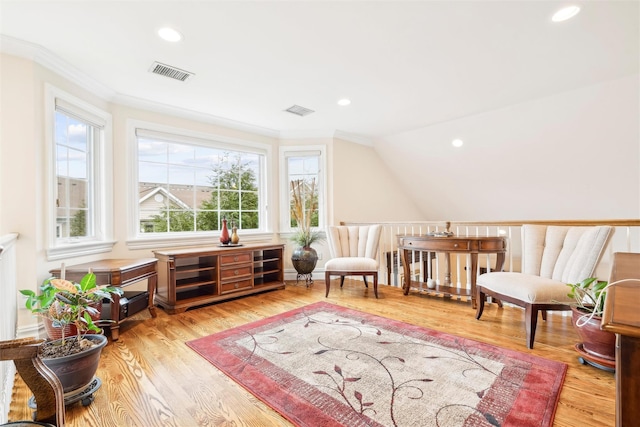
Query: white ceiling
(404,65)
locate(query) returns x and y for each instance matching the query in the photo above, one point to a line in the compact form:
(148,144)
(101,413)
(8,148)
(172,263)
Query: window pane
(203,186)
(304,189)
(74,141)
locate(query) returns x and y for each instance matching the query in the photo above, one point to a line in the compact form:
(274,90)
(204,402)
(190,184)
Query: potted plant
(304,212)
(597,346)
(65,304)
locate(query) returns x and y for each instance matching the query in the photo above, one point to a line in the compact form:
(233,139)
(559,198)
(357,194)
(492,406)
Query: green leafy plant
(589,295)
(65,302)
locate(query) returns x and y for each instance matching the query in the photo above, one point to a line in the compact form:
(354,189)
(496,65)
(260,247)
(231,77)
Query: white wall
(364,189)
(574,155)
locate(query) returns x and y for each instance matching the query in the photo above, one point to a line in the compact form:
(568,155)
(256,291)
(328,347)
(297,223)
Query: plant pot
(595,342)
(304,259)
(55,333)
(76,371)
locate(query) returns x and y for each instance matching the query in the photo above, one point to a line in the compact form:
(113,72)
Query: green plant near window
(304,208)
(66,303)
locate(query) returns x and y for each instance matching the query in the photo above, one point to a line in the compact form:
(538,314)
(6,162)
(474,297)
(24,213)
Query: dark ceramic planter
(77,370)
(304,259)
(595,341)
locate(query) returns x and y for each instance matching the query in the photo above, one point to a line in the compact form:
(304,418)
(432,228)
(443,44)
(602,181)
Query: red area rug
(326,365)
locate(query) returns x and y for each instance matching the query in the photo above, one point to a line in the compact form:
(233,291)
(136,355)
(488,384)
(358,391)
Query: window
(79,149)
(303,174)
(189,185)
(74,141)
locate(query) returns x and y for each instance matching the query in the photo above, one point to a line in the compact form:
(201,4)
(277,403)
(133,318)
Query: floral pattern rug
(326,365)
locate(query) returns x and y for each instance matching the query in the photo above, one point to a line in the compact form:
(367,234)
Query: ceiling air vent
(171,72)
(299,111)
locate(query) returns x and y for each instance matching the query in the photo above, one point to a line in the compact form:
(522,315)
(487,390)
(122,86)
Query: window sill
(79,249)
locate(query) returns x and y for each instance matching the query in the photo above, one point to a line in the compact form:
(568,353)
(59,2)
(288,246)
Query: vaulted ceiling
(403,65)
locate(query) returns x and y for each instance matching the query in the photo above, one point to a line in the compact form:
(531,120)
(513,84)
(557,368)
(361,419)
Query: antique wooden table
(448,245)
(621,317)
(120,273)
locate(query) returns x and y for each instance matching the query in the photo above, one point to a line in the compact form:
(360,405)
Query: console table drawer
(235,258)
(235,286)
(443,244)
(492,245)
(236,272)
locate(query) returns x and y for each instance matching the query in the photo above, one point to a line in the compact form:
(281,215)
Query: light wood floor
(151,378)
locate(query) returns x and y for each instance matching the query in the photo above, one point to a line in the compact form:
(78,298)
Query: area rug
(326,365)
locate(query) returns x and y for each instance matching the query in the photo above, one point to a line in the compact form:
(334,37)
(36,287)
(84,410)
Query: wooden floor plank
(151,378)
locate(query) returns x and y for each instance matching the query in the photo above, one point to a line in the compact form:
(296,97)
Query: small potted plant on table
(598,347)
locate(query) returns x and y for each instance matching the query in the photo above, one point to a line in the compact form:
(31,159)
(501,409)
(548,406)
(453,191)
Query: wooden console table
(448,245)
(120,273)
(194,277)
(621,317)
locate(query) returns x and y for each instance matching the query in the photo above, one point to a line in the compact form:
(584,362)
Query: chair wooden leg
(327,282)
(544,315)
(375,285)
(341,281)
(480,304)
(42,381)
(364,276)
(531,321)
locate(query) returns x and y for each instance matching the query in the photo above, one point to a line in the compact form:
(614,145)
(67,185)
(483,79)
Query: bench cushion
(526,287)
(351,264)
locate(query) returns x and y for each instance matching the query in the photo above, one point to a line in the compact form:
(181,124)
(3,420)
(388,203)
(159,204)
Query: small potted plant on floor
(597,346)
(73,309)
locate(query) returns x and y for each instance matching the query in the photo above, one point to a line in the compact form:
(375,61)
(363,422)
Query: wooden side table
(448,245)
(120,273)
(621,317)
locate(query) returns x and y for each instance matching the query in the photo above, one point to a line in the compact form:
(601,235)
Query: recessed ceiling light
(565,13)
(344,102)
(169,34)
(457,143)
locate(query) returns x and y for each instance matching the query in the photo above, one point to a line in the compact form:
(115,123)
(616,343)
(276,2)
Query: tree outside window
(199,186)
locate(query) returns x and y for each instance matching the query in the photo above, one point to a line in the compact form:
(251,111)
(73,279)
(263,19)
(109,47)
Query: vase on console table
(224,234)
(234,235)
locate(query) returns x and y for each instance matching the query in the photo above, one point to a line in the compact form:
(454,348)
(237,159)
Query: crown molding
(305,134)
(49,60)
(152,106)
(345,136)
(355,138)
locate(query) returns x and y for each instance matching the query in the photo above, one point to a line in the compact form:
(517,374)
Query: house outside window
(189,185)
(79,150)
(303,171)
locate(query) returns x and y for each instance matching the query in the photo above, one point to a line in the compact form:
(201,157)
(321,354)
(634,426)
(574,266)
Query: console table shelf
(194,277)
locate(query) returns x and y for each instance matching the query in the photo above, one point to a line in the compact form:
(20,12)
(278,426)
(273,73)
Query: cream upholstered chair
(353,253)
(552,256)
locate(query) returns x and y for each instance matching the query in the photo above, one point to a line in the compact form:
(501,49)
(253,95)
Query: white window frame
(137,240)
(101,179)
(285,189)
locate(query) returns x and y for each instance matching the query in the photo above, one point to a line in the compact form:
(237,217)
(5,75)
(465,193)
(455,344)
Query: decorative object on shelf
(224,233)
(234,235)
(303,207)
(446,233)
(598,347)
